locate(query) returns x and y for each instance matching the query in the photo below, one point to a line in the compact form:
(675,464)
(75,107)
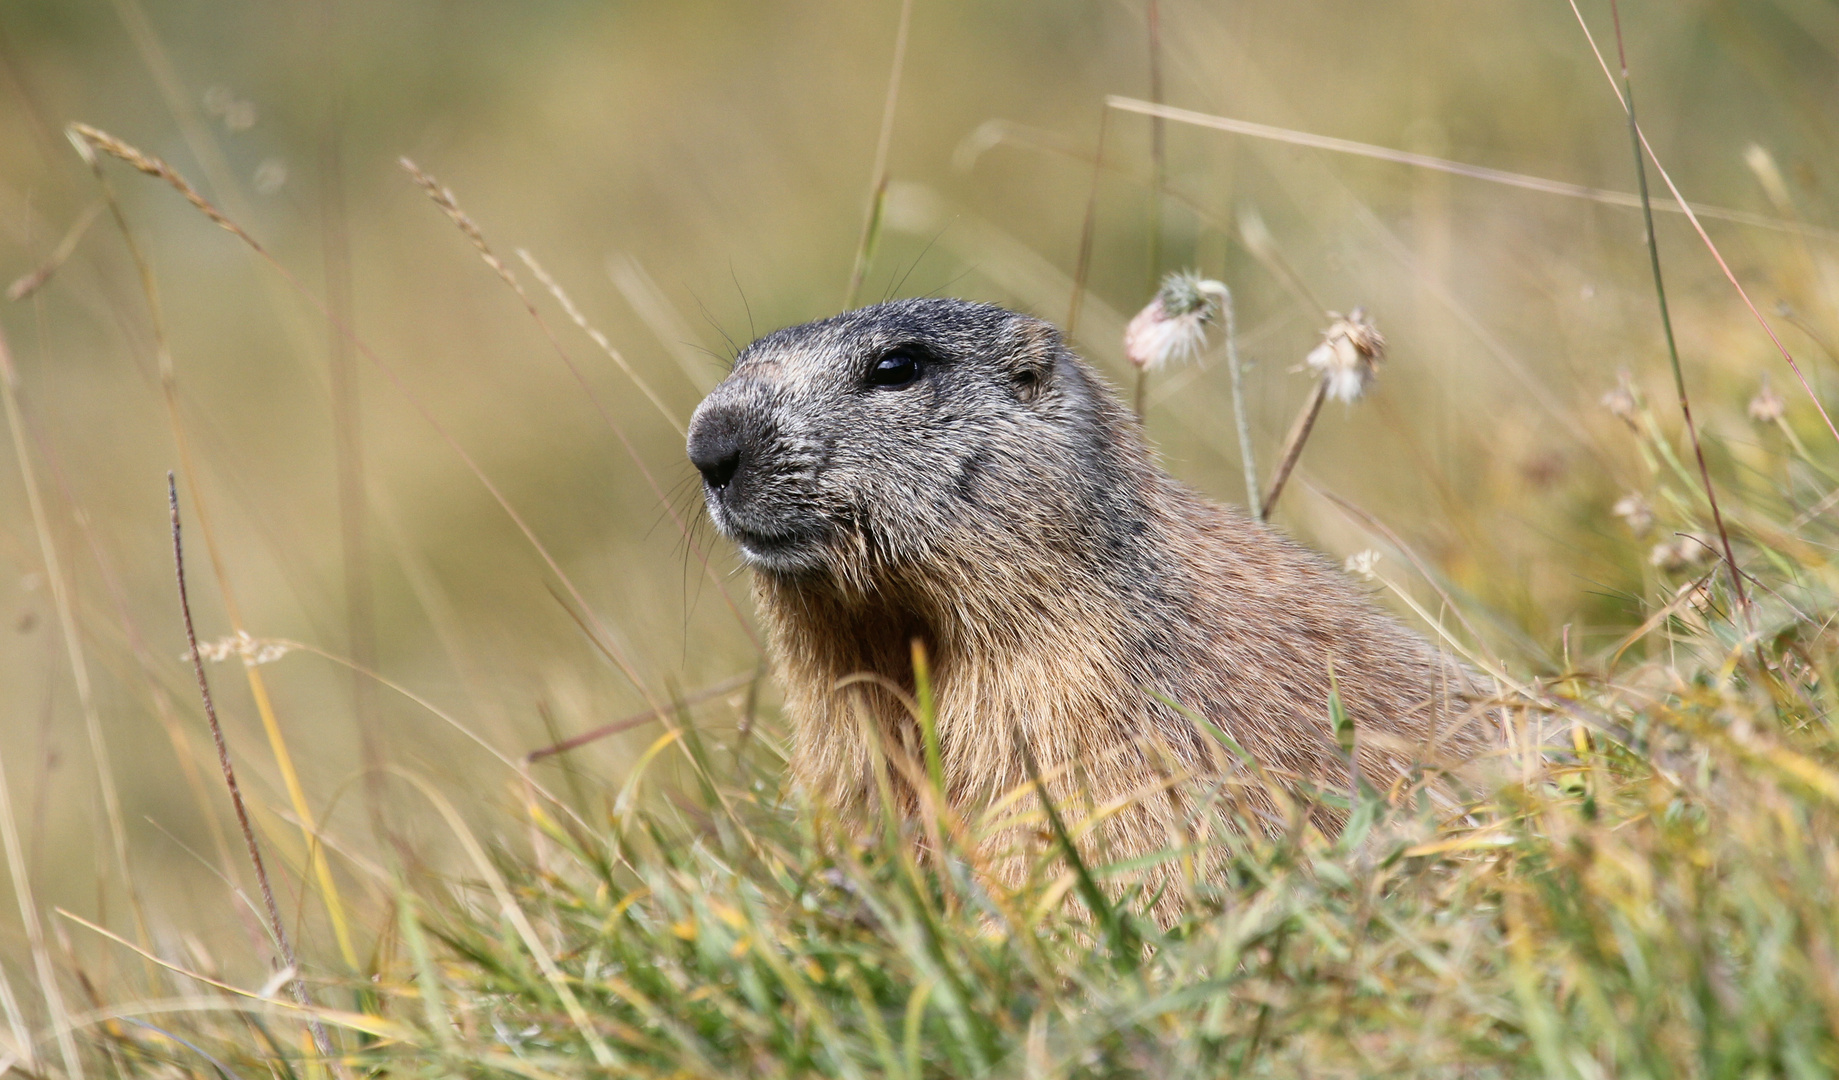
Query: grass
(1642,887)
(1649,895)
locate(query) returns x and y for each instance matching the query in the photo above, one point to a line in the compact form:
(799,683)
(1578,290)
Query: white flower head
(1686,551)
(1622,402)
(1173,326)
(1349,356)
(1634,509)
(253,651)
(1767,406)
(1364,564)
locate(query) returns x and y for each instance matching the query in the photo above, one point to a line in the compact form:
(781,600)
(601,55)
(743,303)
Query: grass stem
(1247,456)
(297,985)
(878,177)
(1293,446)
(73,643)
(1088,227)
(35,937)
(1666,318)
(1158,146)
(1693,214)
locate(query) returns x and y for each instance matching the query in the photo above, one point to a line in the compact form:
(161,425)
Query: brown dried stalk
(298,985)
(1666,321)
(1293,445)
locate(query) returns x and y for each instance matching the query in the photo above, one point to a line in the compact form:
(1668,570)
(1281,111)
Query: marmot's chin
(774,551)
(783,561)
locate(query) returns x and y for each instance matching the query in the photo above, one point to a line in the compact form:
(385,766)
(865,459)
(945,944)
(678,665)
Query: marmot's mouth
(766,542)
(783,551)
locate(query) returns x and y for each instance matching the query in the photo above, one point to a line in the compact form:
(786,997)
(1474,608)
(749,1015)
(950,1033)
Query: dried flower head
(1685,551)
(1349,355)
(1173,327)
(1767,406)
(1364,564)
(1634,510)
(251,650)
(1698,595)
(1622,402)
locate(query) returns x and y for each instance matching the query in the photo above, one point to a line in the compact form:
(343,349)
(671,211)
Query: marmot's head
(906,437)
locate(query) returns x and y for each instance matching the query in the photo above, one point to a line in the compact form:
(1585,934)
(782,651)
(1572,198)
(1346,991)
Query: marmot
(950,471)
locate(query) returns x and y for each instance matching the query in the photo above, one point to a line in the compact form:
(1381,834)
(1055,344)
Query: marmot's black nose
(716,445)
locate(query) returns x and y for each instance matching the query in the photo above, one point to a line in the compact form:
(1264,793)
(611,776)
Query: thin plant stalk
(1247,457)
(1293,446)
(16,1023)
(606,346)
(1523,181)
(1138,396)
(1666,319)
(296,984)
(562,746)
(35,935)
(73,644)
(30,283)
(878,176)
(1158,155)
(1692,214)
(1088,227)
(347,418)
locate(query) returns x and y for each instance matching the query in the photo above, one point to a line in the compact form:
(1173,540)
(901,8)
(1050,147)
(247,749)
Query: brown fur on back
(1004,509)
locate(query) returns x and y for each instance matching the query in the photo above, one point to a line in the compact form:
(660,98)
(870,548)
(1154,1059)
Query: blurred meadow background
(695,173)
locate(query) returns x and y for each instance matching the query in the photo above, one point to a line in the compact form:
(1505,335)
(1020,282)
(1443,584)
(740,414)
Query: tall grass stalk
(878,174)
(47,974)
(1088,227)
(290,962)
(1692,216)
(1248,458)
(344,388)
(73,642)
(1666,319)
(1158,151)
(1467,170)
(1293,447)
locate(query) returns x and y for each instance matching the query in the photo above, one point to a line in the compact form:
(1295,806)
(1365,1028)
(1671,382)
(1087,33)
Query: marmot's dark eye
(894,371)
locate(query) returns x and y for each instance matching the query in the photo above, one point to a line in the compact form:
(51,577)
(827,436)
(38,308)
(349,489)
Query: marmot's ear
(1034,346)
